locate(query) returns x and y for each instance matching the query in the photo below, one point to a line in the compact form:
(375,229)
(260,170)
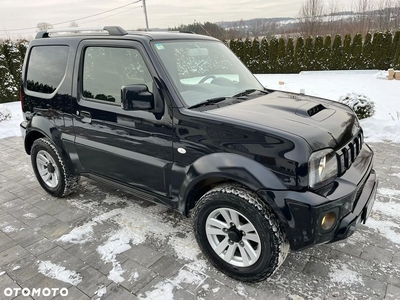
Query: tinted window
(107,69)
(46,68)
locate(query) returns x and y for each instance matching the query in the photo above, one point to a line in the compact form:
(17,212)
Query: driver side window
(107,69)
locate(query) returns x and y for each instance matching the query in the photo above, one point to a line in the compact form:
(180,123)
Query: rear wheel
(50,169)
(239,234)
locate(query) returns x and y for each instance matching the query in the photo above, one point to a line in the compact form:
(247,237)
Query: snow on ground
(385,215)
(134,230)
(164,289)
(334,84)
(51,270)
(11,127)
(101,291)
(343,275)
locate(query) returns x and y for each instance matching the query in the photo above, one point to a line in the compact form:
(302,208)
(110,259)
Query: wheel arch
(41,127)
(217,168)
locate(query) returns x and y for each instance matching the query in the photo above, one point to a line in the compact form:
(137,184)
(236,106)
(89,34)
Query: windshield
(203,70)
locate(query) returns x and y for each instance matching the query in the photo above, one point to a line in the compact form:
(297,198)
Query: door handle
(86,116)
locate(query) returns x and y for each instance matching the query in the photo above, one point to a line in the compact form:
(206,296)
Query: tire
(267,254)
(56,178)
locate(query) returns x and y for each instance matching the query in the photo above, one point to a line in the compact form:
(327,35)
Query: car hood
(322,123)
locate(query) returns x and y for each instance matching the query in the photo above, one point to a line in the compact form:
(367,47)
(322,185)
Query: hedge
(377,51)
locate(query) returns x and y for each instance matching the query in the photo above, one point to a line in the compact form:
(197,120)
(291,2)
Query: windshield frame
(168,74)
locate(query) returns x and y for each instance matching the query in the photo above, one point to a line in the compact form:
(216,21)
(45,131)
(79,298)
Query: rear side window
(46,68)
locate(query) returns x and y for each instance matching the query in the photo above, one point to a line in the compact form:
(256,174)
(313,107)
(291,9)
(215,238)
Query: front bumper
(351,197)
(349,223)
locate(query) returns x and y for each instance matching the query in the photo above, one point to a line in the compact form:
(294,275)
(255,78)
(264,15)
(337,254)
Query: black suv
(177,119)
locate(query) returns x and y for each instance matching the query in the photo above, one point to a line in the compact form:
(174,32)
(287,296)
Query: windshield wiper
(208,102)
(248,92)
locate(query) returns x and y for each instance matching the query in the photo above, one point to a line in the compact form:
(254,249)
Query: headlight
(323,168)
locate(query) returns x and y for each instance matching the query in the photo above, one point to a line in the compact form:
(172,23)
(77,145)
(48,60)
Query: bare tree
(43,26)
(395,17)
(311,13)
(363,20)
(383,14)
(73,24)
(334,22)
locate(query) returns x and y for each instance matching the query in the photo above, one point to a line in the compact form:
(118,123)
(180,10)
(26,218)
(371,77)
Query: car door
(129,147)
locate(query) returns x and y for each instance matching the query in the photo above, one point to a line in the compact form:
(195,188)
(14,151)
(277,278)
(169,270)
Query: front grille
(348,154)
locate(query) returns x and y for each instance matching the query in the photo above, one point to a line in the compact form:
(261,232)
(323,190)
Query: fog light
(328,221)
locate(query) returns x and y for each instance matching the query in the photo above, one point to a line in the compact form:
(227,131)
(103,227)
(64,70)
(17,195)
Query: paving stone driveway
(160,258)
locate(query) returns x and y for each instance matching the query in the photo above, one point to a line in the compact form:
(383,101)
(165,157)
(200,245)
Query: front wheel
(239,234)
(50,169)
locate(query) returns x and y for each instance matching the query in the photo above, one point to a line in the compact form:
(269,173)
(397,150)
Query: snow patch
(377,131)
(342,275)
(241,290)
(10,127)
(382,75)
(134,276)
(113,200)
(116,244)
(47,268)
(388,193)
(162,290)
(30,215)
(395,175)
(187,249)
(390,209)
(5,113)
(84,233)
(189,276)
(102,290)
(9,229)
(386,229)
(79,235)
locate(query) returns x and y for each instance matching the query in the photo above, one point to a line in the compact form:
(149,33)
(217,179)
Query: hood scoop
(316,109)
(317,112)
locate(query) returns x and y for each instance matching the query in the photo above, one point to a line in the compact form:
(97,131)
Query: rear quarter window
(46,68)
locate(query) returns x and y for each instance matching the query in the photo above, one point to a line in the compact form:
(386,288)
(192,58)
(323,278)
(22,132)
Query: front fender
(232,167)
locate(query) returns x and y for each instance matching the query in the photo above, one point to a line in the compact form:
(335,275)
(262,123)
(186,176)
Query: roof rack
(187,31)
(112,30)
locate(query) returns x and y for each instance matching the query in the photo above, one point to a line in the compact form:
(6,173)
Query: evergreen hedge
(281,55)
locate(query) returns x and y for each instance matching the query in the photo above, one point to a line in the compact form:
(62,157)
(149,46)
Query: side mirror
(136,97)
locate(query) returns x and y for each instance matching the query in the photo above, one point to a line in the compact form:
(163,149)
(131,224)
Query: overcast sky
(16,14)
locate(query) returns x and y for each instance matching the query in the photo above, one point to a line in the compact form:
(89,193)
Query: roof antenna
(203,28)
